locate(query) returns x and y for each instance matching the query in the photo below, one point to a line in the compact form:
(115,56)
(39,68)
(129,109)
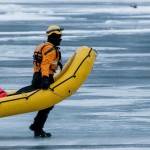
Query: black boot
(39,133)
(39,122)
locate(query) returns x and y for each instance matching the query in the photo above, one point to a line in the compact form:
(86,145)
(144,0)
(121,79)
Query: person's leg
(42,115)
(39,122)
(25,89)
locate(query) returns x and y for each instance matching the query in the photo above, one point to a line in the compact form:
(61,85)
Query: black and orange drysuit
(46,60)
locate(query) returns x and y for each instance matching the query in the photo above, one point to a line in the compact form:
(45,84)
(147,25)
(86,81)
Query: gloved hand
(45,83)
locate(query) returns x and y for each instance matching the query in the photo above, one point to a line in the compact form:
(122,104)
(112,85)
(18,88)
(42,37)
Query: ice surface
(111,109)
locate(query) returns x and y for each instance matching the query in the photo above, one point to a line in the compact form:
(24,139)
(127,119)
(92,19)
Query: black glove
(45,83)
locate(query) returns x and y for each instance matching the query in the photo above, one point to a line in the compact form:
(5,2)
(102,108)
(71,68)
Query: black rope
(12,100)
(83,61)
(61,83)
(26,97)
(33,93)
(74,74)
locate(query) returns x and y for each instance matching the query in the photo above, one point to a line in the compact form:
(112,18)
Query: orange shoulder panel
(47,60)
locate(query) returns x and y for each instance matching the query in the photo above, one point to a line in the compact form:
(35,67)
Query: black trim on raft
(26,97)
(73,76)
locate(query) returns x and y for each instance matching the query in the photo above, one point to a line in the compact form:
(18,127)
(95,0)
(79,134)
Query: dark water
(111,109)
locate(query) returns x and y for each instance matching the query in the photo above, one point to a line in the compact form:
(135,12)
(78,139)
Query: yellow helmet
(53,29)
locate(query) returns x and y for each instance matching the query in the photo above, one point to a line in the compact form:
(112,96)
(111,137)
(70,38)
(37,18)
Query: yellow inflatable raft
(66,83)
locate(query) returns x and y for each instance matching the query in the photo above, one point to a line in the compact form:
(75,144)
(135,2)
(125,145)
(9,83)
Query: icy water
(111,111)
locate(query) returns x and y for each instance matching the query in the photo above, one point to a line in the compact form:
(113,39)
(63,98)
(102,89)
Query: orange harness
(38,57)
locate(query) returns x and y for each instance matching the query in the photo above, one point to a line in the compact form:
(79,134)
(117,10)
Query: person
(47,58)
